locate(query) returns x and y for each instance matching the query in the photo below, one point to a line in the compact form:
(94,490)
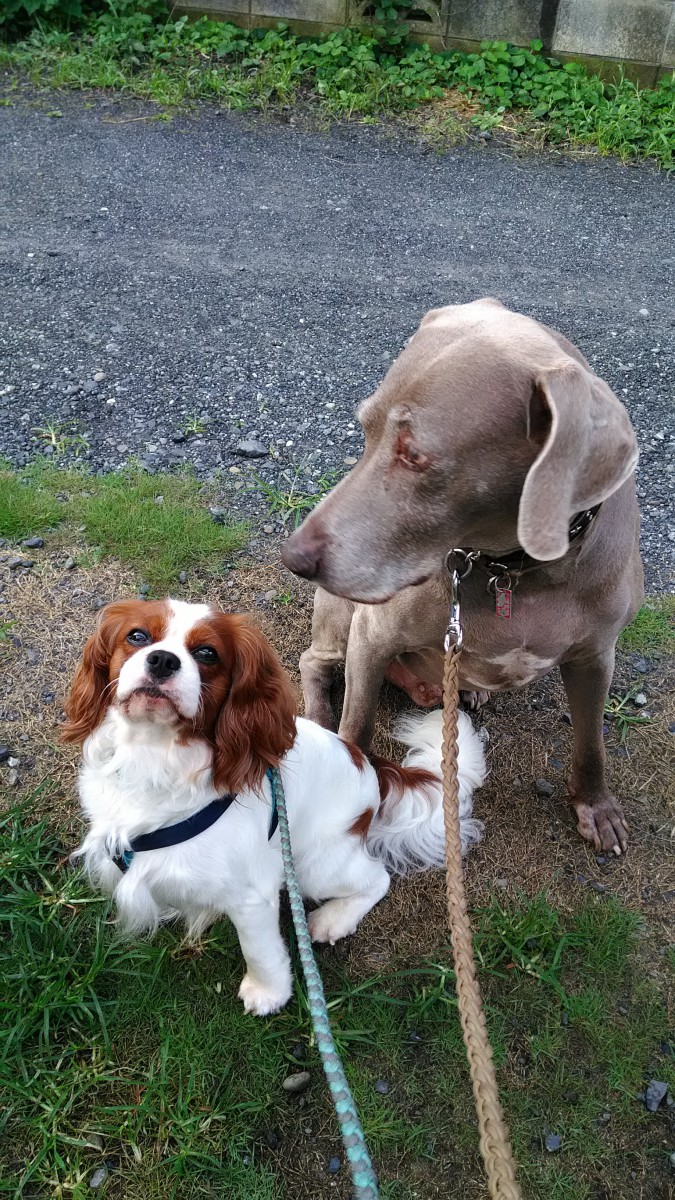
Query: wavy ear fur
(256,725)
(589,451)
(89,695)
(88,698)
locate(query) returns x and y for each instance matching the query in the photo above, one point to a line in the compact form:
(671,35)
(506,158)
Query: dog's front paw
(262,999)
(600,820)
(334,920)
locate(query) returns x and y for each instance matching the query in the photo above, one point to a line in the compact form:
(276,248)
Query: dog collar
(183,831)
(516,562)
(504,572)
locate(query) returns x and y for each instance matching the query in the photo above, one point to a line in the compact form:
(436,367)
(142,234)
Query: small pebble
(334,1165)
(98,602)
(553,1142)
(268,529)
(99,376)
(33,543)
(544,788)
(640,700)
(382,1087)
(251,448)
(13,762)
(502,884)
(69,564)
(600,860)
(556,764)
(298,1050)
(218,515)
(271,595)
(183,577)
(414,1036)
(99,1177)
(299,1082)
(655,1094)
(5,754)
(14,563)
(144,589)
(273,1138)
(671,1159)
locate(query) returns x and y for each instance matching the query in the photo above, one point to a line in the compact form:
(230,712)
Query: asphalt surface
(261,278)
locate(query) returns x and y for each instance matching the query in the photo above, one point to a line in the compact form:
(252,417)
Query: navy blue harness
(173,835)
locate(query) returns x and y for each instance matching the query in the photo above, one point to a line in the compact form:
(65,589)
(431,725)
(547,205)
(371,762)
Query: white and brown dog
(183,711)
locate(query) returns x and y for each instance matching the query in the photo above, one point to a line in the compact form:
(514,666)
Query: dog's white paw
(334,920)
(262,999)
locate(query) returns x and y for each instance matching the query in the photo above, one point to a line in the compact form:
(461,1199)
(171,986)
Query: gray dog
(490,432)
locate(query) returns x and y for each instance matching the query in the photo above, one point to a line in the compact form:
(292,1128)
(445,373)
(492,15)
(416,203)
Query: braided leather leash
(494,1135)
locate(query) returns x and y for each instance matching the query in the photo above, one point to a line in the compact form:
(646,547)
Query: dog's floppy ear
(89,694)
(256,725)
(588,449)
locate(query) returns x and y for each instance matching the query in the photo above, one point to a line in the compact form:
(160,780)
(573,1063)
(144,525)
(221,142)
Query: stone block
(517,21)
(426,18)
(668,59)
(218,10)
(621,29)
(318,12)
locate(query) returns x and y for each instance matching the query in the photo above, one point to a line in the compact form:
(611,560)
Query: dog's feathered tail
(408,833)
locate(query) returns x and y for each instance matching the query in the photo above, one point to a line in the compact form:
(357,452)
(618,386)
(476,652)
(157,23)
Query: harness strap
(183,831)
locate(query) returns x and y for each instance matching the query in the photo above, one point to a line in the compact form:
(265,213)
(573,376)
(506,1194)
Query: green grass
(132,1053)
(135,48)
(159,525)
(653,629)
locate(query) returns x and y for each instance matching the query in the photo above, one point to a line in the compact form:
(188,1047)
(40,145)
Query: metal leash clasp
(458,564)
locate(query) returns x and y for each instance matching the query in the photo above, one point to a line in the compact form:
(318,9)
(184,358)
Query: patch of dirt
(531,843)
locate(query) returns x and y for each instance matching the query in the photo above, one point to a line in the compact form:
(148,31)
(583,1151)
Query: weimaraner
(490,432)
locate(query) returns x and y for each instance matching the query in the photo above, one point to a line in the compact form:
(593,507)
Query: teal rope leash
(363,1175)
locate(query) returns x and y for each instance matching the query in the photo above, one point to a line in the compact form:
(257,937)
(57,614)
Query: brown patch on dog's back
(394,779)
(362,824)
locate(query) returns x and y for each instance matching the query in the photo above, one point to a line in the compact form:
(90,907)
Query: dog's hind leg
(364,882)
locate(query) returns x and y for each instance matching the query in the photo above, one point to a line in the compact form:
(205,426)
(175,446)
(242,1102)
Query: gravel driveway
(262,277)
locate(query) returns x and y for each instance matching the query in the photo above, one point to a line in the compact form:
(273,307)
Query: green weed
(621,710)
(62,436)
(159,526)
(653,629)
(192,424)
(350,73)
(288,499)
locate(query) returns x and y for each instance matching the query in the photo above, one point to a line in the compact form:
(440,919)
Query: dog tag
(503,602)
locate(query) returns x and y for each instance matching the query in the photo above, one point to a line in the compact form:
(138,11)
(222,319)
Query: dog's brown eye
(139,637)
(206,655)
(408,454)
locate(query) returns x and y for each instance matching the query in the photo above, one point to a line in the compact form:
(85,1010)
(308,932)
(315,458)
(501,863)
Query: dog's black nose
(162,664)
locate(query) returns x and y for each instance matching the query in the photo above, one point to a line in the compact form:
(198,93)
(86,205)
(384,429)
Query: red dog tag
(503,602)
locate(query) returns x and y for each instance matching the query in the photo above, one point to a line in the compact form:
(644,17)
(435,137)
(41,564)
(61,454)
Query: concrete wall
(640,34)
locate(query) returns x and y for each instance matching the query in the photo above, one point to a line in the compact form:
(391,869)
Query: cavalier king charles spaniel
(184,711)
